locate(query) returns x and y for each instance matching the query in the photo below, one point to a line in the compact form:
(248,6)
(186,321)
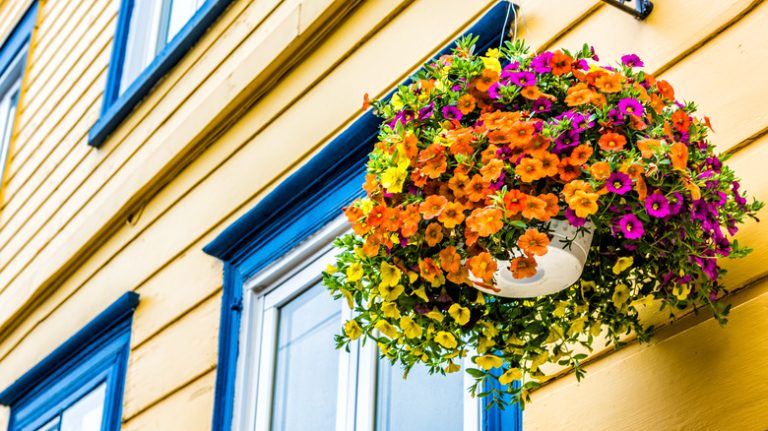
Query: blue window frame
(151,37)
(13,55)
(79,386)
(301,205)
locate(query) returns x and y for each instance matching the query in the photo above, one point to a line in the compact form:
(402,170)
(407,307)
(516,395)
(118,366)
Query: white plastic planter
(558,269)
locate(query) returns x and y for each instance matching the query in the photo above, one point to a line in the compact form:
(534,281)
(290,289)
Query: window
(293,377)
(13,54)
(79,386)
(151,37)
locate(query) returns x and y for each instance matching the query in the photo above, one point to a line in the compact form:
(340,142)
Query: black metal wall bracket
(641,9)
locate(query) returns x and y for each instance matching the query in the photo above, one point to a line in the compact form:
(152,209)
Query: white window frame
(10,84)
(262,295)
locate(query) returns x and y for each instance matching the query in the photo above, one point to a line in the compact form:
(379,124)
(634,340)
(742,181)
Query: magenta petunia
(452,113)
(631,60)
(631,226)
(573,219)
(630,106)
(541,105)
(656,205)
(523,79)
(619,183)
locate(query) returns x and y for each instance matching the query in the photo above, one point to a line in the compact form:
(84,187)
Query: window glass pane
(420,402)
(53,425)
(307,363)
(87,413)
(181,12)
(8,102)
(141,45)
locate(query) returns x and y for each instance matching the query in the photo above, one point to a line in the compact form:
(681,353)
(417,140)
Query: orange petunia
(482,266)
(371,245)
(430,272)
(411,146)
(523,267)
(598,100)
(433,234)
(534,208)
(433,206)
(521,133)
(609,83)
(418,178)
(450,259)
(583,203)
(498,136)
(612,141)
(579,97)
(549,163)
(514,201)
(530,169)
(533,242)
(634,170)
(353,213)
(648,146)
(570,188)
(433,161)
(641,188)
(411,218)
(458,184)
(530,92)
(492,170)
(477,189)
(681,120)
(666,90)
(392,220)
(553,206)
(452,215)
(678,153)
(466,104)
(537,146)
(488,78)
(560,63)
(371,183)
(567,171)
(488,154)
(600,170)
(581,154)
(485,221)
(376,216)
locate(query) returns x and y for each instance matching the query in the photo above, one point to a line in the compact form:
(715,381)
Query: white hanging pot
(558,269)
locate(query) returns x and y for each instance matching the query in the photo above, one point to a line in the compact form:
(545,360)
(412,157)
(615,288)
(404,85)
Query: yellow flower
(330,269)
(485,344)
(596,329)
(577,326)
(393,179)
(460,314)
(510,375)
(353,330)
(452,368)
(390,293)
(620,295)
(623,264)
(421,293)
(385,328)
(390,274)
(355,272)
(446,340)
(493,53)
(539,360)
(348,296)
(560,309)
(492,63)
(410,328)
(681,291)
(435,315)
(489,330)
(487,361)
(366,205)
(480,298)
(390,310)
(396,101)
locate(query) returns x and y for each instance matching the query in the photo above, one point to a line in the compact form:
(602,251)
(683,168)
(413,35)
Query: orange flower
(452,215)
(521,133)
(488,78)
(579,97)
(598,100)
(533,242)
(681,120)
(536,147)
(418,179)
(530,170)
(433,160)
(549,163)
(371,245)
(411,146)
(433,206)
(450,260)
(560,63)
(553,207)
(600,170)
(530,92)
(392,220)
(641,189)
(679,155)
(377,215)
(609,83)
(485,221)
(370,183)
(514,201)
(461,141)
(583,203)
(477,189)
(665,90)
(498,136)
(411,219)
(648,146)
(353,213)
(483,266)
(567,171)
(492,170)
(523,267)
(431,272)
(466,104)
(570,189)
(458,184)
(433,234)
(634,170)
(581,154)
(612,141)
(534,208)
(488,154)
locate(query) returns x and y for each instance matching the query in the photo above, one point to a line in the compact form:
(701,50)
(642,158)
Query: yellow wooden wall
(270,83)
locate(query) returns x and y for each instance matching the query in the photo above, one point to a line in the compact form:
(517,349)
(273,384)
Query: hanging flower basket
(518,206)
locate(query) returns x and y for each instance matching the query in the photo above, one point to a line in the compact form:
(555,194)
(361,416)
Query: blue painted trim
(116,107)
(97,353)
(298,207)
(509,419)
(18,39)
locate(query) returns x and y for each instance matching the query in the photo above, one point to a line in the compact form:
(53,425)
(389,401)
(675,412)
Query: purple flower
(452,113)
(426,111)
(631,60)
(581,64)
(676,203)
(573,219)
(594,54)
(541,104)
(630,106)
(657,205)
(540,63)
(619,183)
(523,79)
(615,116)
(508,70)
(493,91)
(631,226)
(567,140)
